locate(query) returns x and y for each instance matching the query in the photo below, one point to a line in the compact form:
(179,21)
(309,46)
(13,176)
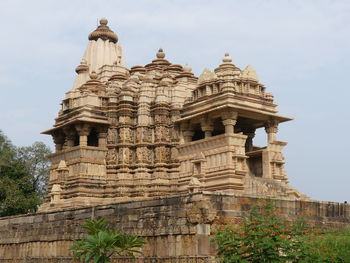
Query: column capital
(206,124)
(102,135)
(232,115)
(229,122)
(207,127)
(188,133)
(102,129)
(83,129)
(58,138)
(69,131)
(229,119)
(271,126)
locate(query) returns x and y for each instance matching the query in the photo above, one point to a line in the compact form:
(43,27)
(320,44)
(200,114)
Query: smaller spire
(227,67)
(159,61)
(62,165)
(83,67)
(160,54)
(93,84)
(206,76)
(250,74)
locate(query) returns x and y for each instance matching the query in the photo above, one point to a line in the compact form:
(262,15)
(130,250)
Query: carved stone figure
(112,136)
(111,156)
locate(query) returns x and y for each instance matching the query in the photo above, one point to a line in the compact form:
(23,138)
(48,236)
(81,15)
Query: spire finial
(227,58)
(93,75)
(103,21)
(160,53)
(103,32)
(187,68)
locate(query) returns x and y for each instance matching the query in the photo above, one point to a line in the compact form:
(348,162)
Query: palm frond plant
(103,242)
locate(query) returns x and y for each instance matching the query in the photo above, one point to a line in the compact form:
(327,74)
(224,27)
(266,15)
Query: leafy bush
(102,242)
(328,246)
(261,236)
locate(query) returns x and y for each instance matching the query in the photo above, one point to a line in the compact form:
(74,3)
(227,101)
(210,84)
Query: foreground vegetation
(264,236)
(24,173)
(102,243)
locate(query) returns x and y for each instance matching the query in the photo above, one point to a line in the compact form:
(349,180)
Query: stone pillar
(69,132)
(250,132)
(102,137)
(187,132)
(188,135)
(58,139)
(229,121)
(271,128)
(83,131)
(207,127)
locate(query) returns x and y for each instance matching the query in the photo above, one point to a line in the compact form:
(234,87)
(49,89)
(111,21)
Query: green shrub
(328,246)
(261,236)
(102,242)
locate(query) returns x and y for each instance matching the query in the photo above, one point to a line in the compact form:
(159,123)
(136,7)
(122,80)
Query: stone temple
(159,153)
(158,130)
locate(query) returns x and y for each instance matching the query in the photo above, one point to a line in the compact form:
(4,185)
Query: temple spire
(103,55)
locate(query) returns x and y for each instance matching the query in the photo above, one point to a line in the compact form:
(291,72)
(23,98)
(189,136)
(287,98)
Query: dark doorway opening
(219,127)
(92,138)
(198,133)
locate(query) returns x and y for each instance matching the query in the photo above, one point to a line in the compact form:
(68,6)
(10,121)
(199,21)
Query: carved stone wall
(218,162)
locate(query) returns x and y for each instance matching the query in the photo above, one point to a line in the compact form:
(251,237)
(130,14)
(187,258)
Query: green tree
(36,164)
(23,176)
(7,152)
(261,236)
(102,242)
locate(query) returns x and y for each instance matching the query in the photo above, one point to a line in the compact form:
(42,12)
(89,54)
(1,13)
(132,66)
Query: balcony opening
(255,164)
(219,127)
(92,139)
(76,140)
(198,133)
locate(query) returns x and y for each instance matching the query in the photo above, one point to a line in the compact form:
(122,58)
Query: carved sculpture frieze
(112,136)
(111,156)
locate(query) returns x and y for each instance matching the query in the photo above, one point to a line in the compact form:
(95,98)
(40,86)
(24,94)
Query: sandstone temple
(158,130)
(160,153)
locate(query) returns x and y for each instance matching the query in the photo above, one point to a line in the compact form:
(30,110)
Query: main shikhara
(157,130)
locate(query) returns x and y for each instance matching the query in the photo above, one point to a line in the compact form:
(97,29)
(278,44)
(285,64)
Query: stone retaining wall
(176,228)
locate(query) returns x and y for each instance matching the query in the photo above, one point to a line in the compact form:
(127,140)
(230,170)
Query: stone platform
(177,229)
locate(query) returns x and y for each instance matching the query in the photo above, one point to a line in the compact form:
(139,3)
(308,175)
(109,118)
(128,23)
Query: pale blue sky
(300,50)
